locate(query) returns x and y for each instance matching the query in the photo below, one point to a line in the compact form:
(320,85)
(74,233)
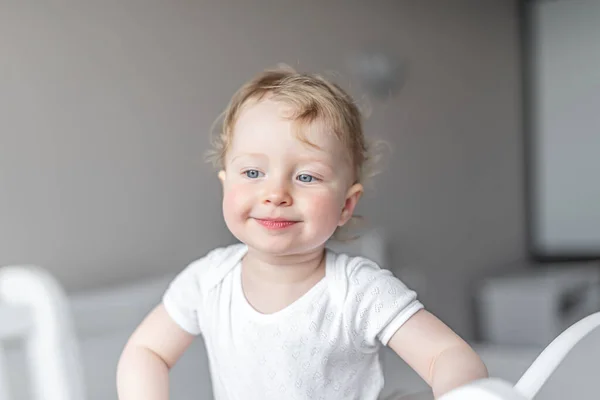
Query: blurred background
(106,109)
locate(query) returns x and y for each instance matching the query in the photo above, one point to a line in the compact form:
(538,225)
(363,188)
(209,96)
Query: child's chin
(273,247)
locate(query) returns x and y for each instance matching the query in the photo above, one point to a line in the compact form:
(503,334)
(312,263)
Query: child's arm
(436,353)
(154,347)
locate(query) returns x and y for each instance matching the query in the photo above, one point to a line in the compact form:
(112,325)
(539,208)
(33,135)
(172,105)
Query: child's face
(281,195)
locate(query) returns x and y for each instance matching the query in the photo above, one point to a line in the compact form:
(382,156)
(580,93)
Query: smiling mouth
(275,224)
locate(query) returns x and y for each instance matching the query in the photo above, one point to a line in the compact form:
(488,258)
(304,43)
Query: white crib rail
(3,373)
(546,363)
(34,306)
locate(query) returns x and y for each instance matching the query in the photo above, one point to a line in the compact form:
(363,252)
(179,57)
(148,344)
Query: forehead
(267,124)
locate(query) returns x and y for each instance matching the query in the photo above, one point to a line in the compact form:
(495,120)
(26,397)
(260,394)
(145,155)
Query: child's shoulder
(347,265)
(219,256)
(366,290)
(356,273)
(223,255)
(210,269)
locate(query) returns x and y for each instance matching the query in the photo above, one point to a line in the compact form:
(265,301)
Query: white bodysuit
(323,346)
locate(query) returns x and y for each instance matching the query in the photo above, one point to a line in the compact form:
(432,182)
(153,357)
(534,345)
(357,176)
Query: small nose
(277,194)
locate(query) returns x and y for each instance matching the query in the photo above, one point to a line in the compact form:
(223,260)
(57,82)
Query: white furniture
(35,311)
(533,305)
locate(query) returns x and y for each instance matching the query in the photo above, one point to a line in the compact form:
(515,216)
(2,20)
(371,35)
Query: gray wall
(105,109)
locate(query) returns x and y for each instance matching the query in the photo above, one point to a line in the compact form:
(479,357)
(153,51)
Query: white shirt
(323,346)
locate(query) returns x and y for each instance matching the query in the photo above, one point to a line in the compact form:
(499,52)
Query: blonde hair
(312,98)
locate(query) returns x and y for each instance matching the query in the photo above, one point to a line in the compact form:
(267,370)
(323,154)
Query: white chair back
(34,308)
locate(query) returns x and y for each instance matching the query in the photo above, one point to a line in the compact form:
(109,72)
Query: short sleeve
(183,297)
(379,304)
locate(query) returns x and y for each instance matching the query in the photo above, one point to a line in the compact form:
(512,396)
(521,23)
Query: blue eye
(253,174)
(305,178)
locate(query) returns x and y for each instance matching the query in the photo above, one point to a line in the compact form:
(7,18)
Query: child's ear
(352,198)
(222,175)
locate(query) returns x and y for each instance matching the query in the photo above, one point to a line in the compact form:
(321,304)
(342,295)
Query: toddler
(282,316)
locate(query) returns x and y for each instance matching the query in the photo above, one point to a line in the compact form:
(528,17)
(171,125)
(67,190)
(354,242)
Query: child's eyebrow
(317,160)
(323,161)
(255,155)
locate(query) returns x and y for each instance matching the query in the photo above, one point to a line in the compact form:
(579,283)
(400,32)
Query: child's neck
(272,283)
(284,270)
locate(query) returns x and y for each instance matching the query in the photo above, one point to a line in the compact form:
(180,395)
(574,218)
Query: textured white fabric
(323,346)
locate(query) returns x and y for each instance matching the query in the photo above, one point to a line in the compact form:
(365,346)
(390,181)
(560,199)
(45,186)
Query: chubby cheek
(324,210)
(235,204)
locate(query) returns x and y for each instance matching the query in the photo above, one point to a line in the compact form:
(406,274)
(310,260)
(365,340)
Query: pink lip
(275,223)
